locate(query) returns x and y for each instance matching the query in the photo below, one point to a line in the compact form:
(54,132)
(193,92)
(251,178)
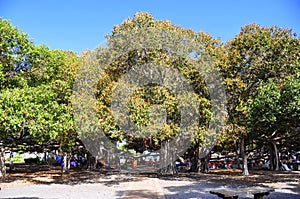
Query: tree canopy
(36,86)
(256,60)
(150,107)
(151,82)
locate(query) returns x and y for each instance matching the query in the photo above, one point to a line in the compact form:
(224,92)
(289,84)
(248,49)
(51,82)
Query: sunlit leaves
(257,64)
(33,111)
(36,86)
(15,48)
(133,45)
(274,112)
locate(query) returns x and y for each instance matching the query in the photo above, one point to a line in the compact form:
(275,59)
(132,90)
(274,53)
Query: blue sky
(79,25)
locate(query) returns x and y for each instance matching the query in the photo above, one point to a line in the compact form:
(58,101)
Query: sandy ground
(130,186)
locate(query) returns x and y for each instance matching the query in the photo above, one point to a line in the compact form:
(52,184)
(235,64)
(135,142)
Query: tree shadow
(202,190)
(25,198)
(43,174)
(291,190)
(276,195)
(227,177)
(201,184)
(190,191)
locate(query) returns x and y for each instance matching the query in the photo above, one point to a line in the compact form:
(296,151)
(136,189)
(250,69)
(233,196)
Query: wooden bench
(225,194)
(232,193)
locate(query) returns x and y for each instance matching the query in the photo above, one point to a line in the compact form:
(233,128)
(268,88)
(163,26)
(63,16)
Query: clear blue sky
(78,25)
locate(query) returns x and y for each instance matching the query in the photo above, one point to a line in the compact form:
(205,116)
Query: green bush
(16,159)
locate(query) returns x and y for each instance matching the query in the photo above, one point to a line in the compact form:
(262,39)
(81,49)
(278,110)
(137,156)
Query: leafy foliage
(255,56)
(149,96)
(274,112)
(14,51)
(260,69)
(36,86)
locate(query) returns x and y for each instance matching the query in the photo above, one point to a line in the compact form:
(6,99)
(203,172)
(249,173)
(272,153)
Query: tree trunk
(45,157)
(245,165)
(204,164)
(244,157)
(275,156)
(2,163)
(91,161)
(166,162)
(194,157)
(238,154)
(272,163)
(66,166)
(11,160)
(163,156)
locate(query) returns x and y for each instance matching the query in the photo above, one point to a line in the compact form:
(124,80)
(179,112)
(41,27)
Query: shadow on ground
(197,191)
(43,174)
(25,198)
(286,184)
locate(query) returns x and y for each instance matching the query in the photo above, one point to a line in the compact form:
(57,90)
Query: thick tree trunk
(91,161)
(194,157)
(245,165)
(2,163)
(274,157)
(166,162)
(163,156)
(244,157)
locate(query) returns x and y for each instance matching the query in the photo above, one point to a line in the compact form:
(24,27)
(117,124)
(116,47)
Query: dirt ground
(113,184)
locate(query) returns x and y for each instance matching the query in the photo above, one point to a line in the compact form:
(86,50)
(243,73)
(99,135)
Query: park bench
(233,193)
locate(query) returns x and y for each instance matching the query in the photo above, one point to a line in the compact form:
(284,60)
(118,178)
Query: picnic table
(233,193)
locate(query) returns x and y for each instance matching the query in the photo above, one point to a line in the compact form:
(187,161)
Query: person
(253,163)
(228,165)
(59,160)
(188,163)
(285,167)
